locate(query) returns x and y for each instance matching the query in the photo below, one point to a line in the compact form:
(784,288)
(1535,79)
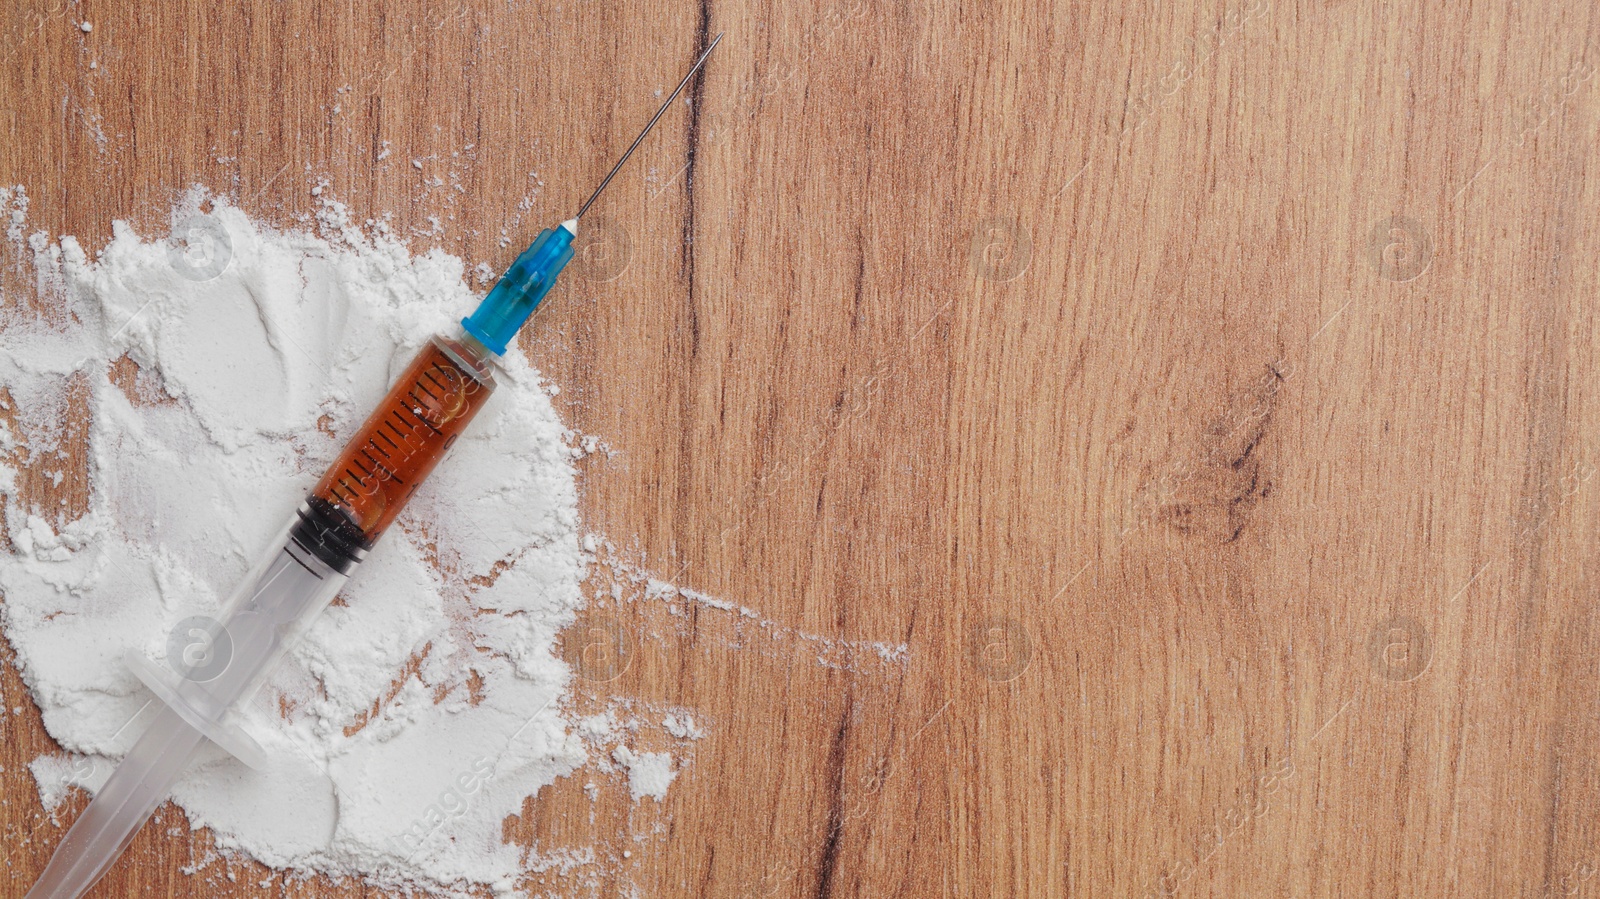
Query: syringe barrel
(395,449)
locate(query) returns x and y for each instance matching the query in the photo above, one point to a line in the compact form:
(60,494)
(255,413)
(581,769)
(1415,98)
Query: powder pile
(259,353)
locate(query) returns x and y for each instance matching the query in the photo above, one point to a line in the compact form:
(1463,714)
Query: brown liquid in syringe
(403,440)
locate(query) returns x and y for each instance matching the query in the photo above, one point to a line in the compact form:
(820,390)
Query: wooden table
(1204,391)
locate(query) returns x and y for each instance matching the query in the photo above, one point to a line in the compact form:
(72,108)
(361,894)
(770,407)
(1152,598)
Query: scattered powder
(843,655)
(682,727)
(422,708)
(649,773)
(598,728)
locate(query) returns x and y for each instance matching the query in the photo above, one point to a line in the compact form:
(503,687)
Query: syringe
(357,499)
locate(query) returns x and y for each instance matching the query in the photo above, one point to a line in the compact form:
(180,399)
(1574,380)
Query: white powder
(56,774)
(649,773)
(598,728)
(682,727)
(248,339)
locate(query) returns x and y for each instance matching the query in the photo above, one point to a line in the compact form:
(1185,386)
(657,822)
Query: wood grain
(1089,349)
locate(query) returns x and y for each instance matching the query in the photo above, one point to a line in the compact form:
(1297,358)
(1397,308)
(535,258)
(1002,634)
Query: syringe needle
(640,139)
(519,291)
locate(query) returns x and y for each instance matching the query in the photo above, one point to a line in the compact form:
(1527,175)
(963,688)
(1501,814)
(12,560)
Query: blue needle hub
(502,313)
